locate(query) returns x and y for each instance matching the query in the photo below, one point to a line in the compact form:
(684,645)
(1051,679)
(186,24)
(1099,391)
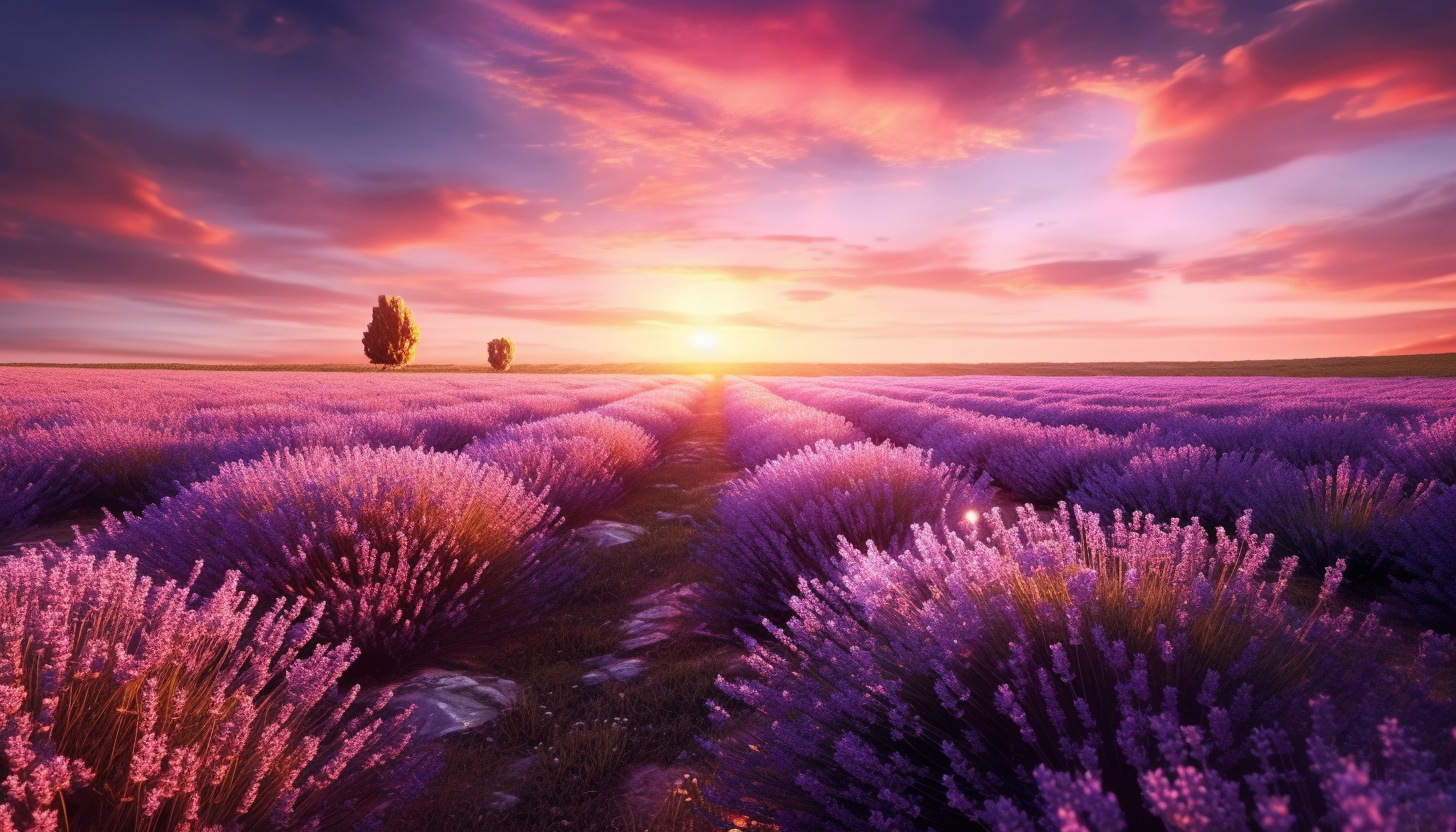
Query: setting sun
(703,340)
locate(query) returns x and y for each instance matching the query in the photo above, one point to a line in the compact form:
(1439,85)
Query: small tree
(501,352)
(392,334)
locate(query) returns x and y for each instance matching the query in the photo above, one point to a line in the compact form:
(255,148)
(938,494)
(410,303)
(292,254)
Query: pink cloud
(59,167)
(49,264)
(1330,76)
(1405,244)
(108,173)
(1439,344)
(1198,15)
(808,295)
(756,84)
(946,267)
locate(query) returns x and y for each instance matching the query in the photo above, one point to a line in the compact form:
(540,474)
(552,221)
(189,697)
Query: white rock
(446,702)
(658,613)
(644,641)
(654,598)
(609,533)
(626,669)
(500,801)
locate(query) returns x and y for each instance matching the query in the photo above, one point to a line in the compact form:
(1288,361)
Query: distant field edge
(1438,365)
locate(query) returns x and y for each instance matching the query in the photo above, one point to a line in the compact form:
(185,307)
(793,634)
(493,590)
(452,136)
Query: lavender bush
(131,705)
(785,519)
(1043,463)
(1189,481)
(128,464)
(579,462)
(1342,512)
(1425,450)
(1140,676)
(399,544)
(661,412)
(1424,548)
(1300,440)
(29,484)
(761,425)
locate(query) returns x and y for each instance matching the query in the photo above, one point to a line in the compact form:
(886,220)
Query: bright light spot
(972,516)
(703,341)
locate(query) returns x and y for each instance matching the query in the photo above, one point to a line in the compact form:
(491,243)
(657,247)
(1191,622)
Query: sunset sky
(836,180)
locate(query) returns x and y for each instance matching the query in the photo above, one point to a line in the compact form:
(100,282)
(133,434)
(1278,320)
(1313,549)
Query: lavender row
(1380,521)
(663,411)
(1062,400)
(402,546)
(398,545)
(43,469)
(1033,461)
(134,701)
(761,426)
(190,400)
(787,518)
(582,463)
(1407,424)
(1071,675)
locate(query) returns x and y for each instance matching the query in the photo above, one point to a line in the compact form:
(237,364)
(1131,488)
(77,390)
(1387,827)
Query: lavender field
(296,600)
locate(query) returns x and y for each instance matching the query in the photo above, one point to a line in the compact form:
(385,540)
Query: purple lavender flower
(785,520)
(1190,481)
(130,704)
(580,462)
(1341,512)
(400,545)
(1423,546)
(1425,450)
(952,684)
(762,426)
(29,485)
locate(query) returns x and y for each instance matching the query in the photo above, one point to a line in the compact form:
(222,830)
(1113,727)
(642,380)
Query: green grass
(1438,365)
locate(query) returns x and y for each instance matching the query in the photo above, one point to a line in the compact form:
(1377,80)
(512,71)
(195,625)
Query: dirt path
(611,688)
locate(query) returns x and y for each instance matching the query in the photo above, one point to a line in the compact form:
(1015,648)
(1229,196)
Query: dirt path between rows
(611,688)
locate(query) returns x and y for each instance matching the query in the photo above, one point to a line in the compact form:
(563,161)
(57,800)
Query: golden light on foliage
(392,334)
(501,352)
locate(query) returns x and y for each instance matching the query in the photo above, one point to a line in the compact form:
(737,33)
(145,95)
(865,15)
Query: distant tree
(392,334)
(501,351)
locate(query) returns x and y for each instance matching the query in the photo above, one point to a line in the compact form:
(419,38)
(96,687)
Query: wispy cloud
(1403,245)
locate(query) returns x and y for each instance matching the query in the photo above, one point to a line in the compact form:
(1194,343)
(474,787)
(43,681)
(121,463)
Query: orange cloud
(58,168)
(1332,75)
(105,173)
